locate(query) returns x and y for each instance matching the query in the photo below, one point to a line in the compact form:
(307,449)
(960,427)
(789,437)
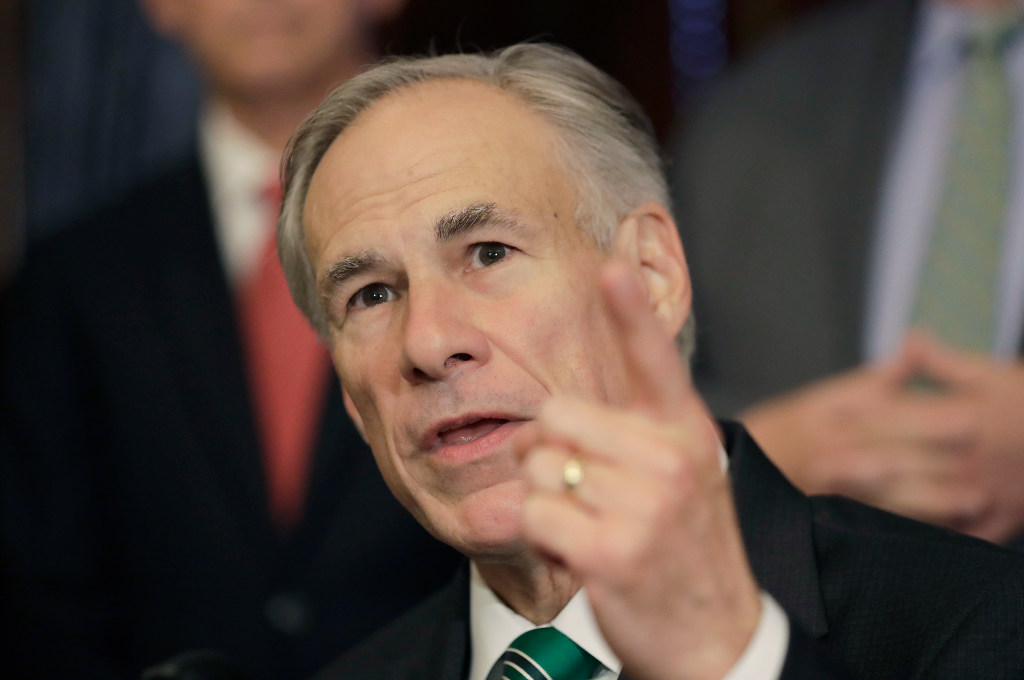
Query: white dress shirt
(238,168)
(915,178)
(493,626)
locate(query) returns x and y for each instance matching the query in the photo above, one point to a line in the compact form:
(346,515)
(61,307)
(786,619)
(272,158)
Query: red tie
(288,372)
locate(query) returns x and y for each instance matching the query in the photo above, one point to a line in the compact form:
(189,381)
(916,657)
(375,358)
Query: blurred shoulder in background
(846,201)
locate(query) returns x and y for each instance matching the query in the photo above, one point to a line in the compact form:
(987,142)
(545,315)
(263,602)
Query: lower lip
(479,447)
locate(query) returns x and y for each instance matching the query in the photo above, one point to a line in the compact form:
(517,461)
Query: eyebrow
(336,274)
(454,225)
(458,223)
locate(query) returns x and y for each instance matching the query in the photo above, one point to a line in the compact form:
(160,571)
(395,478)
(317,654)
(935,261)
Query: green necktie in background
(544,654)
(957,295)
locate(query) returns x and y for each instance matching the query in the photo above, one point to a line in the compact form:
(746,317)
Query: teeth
(466,438)
(464,434)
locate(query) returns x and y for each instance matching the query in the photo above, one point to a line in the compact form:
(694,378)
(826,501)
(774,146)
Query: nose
(441,335)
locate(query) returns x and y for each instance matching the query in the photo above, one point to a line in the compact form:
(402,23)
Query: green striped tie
(544,654)
(957,296)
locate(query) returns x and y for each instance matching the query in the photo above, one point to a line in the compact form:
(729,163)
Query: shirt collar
(238,168)
(493,626)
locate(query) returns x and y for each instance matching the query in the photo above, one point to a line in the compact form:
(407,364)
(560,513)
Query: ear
(165,16)
(648,239)
(350,408)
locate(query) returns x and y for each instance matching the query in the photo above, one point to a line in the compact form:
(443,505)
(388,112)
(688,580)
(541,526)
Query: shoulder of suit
(401,648)
(922,559)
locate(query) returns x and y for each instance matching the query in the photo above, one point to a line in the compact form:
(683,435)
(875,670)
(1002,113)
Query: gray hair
(607,143)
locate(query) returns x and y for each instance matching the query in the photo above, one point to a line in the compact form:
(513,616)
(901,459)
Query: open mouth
(464,434)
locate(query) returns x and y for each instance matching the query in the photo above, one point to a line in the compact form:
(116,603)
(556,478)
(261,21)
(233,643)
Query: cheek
(372,408)
(369,373)
(569,341)
(392,475)
(356,370)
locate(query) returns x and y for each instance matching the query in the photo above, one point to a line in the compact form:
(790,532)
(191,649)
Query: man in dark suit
(484,241)
(812,188)
(143,513)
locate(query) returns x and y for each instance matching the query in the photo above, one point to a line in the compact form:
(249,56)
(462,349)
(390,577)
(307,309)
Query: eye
(371,296)
(486,254)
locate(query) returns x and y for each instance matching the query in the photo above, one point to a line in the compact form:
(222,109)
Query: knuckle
(677,468)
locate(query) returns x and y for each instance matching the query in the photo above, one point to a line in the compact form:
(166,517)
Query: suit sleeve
(58,593)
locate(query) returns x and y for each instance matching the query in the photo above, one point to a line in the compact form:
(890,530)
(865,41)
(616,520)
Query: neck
(272,122)
(537,591)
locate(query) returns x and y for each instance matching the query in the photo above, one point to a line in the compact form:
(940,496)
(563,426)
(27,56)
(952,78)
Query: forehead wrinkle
(384,203)
(388,180)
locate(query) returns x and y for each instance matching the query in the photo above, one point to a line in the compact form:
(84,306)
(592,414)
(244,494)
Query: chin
(489,522)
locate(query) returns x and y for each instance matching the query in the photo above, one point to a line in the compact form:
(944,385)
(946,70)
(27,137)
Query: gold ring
(572,474)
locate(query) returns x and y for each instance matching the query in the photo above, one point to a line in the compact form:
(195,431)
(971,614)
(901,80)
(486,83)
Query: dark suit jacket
(135,520)
(776,185)
(889,597)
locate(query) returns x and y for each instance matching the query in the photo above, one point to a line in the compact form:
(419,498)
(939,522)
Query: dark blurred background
(91,101)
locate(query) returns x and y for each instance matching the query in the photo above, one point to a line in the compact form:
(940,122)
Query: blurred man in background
(179,470)
(848,200)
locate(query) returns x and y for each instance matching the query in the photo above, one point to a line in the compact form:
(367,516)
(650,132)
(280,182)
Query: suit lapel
(197,317)
(450,654)
(445,635)
(776,523)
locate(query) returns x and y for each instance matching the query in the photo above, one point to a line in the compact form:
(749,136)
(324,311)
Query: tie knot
(991,33)
(545,654)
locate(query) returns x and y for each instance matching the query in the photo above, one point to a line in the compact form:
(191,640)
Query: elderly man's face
(461,294)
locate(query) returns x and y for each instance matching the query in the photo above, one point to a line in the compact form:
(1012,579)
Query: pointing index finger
(659,380)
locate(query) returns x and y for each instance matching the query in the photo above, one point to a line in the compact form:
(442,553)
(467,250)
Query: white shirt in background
(238,168)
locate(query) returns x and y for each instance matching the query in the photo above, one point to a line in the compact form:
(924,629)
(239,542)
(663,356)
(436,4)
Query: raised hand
(650,527)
